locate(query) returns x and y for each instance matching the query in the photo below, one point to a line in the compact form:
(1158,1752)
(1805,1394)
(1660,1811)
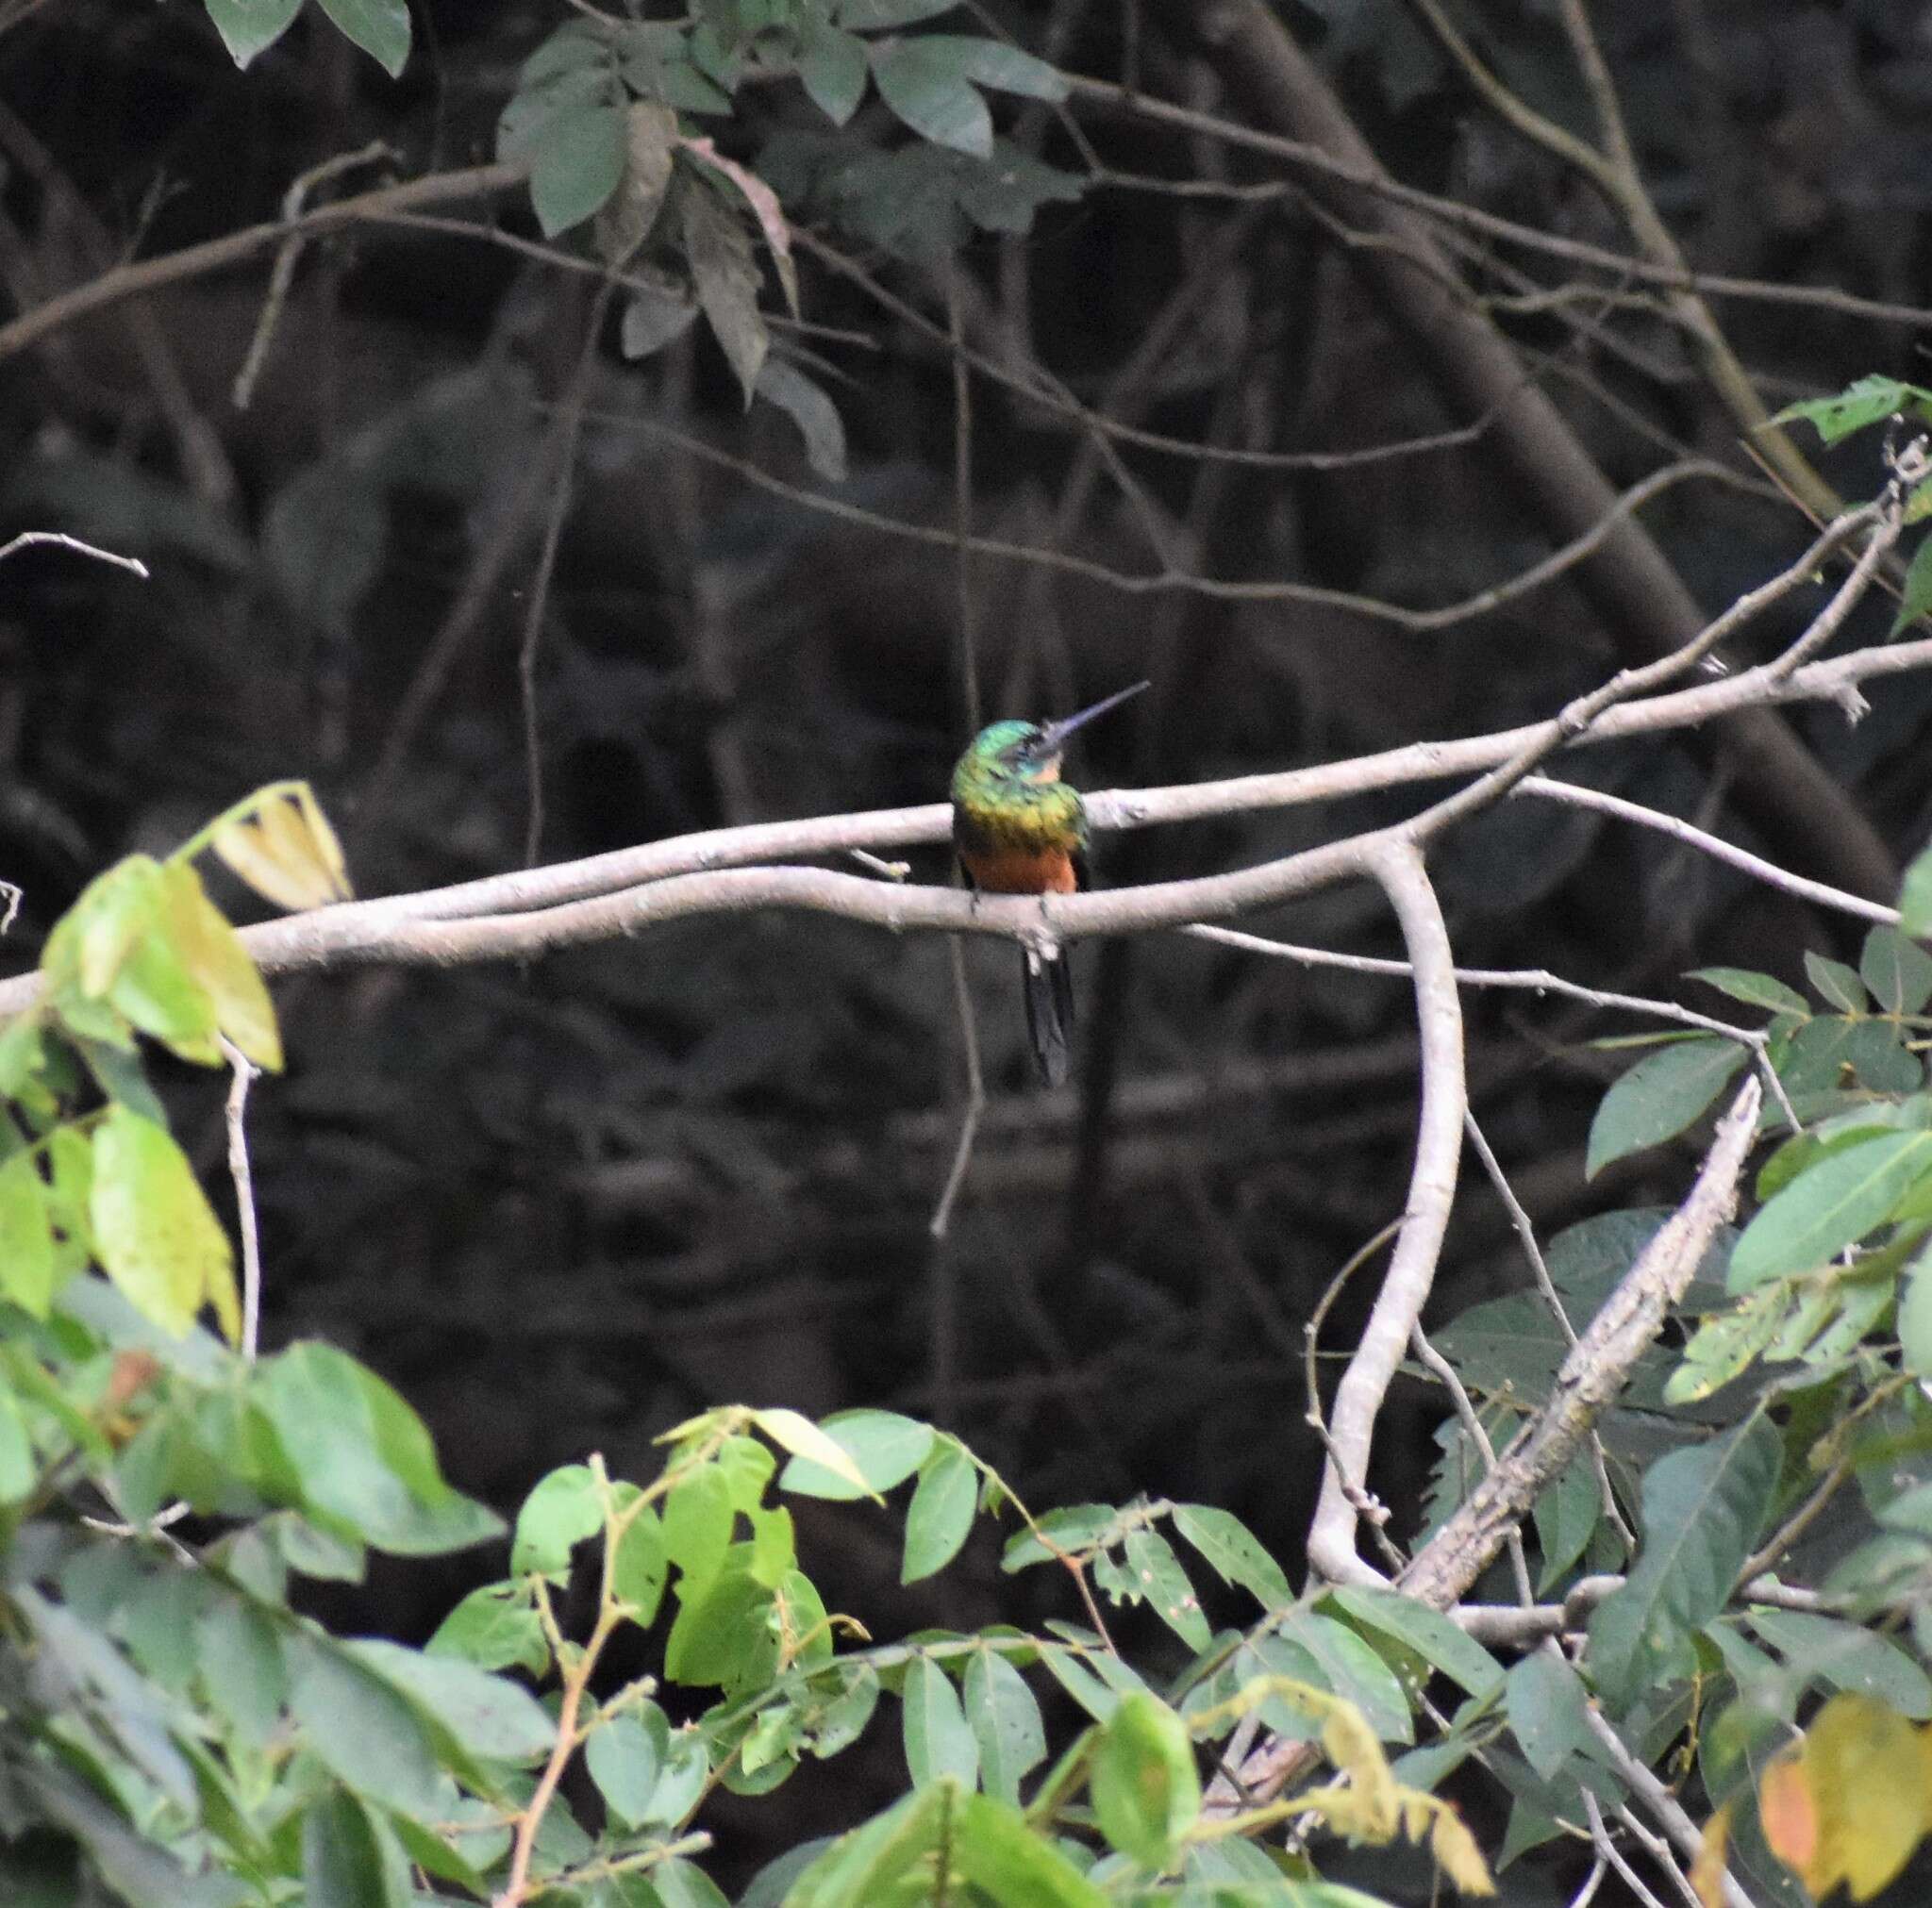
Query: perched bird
(1019,829)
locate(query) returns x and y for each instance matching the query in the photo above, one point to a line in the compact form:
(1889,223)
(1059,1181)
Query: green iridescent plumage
(1002,806)
(1021,830)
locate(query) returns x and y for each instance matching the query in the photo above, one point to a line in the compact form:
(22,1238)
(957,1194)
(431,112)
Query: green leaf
(1725,1345)
(365,1732)
(1006,1859)
(1071,1530)
(723,1633)
(658,64)
(940,1516)
(1867,402)
(806,403)
(698,1518)
(831,67)
(1157,1575)
(18,1471)
(624,1754)
(348,1858)
(1549,1712)
(1915,593)
(1846,1656)
(491,1717)
(363,1455)
(1567,1514)
(641,1562)
(1826,1207)
(1438,1641)
(678,1883)
(1837,983)
(830,1468)
(724,269)
(1915,896)
(1915,1314)
(1146,1786)
(1703,1509)
(578,165)
(1754,989)
(564,1509)
(1234,1552)
(27,1237)
(853,1454)
(995,64)
(927,88)
(1898,971)
(869,16)
(242,1669)
(938,1741)
(249,27)
(1004,1719)
(496,1628)
(1660,1096)
(380,28)
(865,1867)
(1332,1656)
(157,1236)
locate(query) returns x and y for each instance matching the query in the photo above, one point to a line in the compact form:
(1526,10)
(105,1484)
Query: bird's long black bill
(1049,1013)
(1055,734)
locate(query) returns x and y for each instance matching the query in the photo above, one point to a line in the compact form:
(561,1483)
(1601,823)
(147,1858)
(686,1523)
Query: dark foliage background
(564,1207)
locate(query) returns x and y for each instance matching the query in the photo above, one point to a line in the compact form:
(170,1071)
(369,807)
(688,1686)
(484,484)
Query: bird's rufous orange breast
(1023,870)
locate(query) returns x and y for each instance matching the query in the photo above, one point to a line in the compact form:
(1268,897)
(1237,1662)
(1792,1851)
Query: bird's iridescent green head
(1027,751)
(1011,750)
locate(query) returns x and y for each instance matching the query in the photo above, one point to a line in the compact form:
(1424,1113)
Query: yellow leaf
(156,1235)
(1788,1813)
(1350,1744)
(1707,1871)
(798,1435)
(285,850)
(1455,1852)
(213,954)
(1850,1804)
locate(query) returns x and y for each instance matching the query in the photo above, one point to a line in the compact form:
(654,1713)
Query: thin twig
(242,1072)
(27,538)
(976,1094)
(1540,1271)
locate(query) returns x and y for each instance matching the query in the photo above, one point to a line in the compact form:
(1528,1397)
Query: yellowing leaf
(158,1238)
(1849,1805)
(1456,1852)
(1350,1744)
(26,1239)
(213,954)
(1707,1871)
(160,996)
(624,221)
(285,850)
(798,1435)
(764,203)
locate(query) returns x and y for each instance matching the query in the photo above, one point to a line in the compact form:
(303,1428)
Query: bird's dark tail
(1049,1012)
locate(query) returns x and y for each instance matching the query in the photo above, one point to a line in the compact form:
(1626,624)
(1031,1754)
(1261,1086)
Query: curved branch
(1398,1308)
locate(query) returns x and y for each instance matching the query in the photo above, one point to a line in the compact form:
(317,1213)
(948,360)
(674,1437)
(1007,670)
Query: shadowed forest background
(564,1206)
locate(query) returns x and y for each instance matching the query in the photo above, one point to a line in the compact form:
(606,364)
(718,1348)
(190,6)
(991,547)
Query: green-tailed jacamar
(1021,830)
